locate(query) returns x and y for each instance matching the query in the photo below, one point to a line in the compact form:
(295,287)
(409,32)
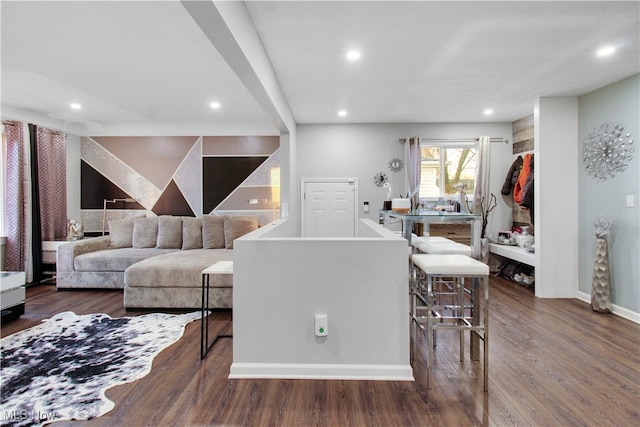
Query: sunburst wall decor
(607,151)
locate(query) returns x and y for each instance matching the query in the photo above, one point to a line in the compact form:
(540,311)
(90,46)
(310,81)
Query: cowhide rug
(60,369)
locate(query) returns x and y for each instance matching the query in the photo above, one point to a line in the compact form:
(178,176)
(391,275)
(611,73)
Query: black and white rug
(60,369)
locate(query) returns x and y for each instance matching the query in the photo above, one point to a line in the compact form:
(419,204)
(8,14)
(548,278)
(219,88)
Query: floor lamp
(104,208)
(275,190)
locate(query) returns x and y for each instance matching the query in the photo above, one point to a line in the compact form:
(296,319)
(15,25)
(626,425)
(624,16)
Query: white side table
(219,268)
(49,253)
(12,294)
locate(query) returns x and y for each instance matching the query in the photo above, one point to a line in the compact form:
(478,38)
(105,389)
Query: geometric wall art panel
(238,146)
(221,175)
(179,175)
(96,188)
(172,202)
(248,198)
(262,175)
(121,174)
(188,177)
(167,153)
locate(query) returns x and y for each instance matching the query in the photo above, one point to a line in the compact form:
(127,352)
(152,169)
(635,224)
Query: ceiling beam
(229,27)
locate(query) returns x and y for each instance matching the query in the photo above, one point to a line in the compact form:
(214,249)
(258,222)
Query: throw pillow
(191,233)
(145,232)
(212,232)
(237,226)
(120,233)
(169,232)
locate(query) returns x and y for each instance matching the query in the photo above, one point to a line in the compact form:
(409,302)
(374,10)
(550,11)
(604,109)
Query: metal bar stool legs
(466,283)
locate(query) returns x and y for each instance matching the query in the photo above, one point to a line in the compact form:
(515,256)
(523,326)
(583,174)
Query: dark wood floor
(553,362)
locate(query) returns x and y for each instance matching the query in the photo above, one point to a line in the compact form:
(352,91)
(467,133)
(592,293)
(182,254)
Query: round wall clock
(395,164)
(606,151)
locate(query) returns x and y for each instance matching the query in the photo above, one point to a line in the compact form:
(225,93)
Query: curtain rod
(52,131)
(500,139)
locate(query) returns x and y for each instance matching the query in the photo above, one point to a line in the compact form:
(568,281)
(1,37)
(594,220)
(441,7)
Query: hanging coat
(527,197)
(522,179)
(527,193)
(512,176)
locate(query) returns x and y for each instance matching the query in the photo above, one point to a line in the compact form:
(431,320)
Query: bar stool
(465,309)
(441,245)
(444,247)
(416,241)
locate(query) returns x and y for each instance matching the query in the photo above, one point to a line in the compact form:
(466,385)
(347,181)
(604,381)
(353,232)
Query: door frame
(303,200)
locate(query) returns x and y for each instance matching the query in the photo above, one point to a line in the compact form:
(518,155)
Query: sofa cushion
(212,232)
(169,232)
(178,269)
(121,233)
(191,233)
(145,232)
(115,259)
(237,226)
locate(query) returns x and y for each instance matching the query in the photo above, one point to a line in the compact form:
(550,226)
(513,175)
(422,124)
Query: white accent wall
(281,281)
(362,150)
(556,196)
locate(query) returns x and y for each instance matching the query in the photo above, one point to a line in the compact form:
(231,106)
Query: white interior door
(329,207)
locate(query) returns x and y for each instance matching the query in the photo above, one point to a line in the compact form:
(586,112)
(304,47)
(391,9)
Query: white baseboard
(615,309)
(321,371)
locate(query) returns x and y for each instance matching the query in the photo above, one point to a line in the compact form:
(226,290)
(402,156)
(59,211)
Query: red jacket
(522,178)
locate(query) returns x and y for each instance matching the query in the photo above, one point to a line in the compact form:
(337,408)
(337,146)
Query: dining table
(433,216)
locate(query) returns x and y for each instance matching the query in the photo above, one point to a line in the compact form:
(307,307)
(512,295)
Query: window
(445,165)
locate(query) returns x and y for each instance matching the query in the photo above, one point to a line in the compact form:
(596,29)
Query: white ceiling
(146,68)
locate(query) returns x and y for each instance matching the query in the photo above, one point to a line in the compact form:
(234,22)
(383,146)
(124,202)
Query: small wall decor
(380,179)
(396,165)
(606,151)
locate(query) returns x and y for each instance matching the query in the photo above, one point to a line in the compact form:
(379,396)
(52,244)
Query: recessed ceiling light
(606,51)
(488,112)
(342,113)
(75,106)
(353,55)
(215,105)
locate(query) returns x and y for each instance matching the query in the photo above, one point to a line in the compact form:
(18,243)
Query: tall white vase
(600,284)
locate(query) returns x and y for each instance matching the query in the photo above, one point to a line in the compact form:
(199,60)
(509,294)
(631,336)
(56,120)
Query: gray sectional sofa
(158,261)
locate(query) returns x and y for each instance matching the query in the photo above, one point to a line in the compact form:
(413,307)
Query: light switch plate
(630,201)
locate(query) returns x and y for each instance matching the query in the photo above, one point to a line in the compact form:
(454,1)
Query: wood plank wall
(523,142)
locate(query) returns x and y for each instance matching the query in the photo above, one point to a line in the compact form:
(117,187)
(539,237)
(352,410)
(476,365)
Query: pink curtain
(17,200)
(46,161)
(52,183)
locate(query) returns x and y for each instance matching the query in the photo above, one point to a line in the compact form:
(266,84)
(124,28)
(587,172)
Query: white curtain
(481,192)
(412,171)
(483,152)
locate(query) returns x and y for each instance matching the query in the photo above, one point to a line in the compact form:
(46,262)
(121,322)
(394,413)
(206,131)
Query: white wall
(362,150)
(556,196)
(281,282)
(618,103)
